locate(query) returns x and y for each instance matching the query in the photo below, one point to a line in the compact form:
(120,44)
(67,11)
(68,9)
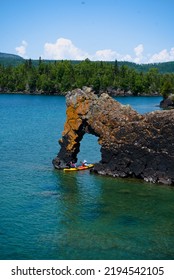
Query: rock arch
(77,124)
(132,145)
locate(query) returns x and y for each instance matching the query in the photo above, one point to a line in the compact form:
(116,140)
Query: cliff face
(132,145)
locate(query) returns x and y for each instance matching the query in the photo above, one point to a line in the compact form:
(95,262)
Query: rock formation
(168,103)
(132,145)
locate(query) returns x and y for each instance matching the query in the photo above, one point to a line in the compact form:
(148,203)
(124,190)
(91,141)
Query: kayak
(79,168)
(85,167)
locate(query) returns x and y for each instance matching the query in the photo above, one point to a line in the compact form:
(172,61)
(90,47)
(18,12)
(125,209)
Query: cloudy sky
(140,31)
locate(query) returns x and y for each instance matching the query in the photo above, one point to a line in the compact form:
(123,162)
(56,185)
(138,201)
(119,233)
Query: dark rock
(132,145)
(167,103)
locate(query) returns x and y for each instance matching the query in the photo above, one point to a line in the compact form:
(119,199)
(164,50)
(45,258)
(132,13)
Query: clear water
(142,104)
(49,214)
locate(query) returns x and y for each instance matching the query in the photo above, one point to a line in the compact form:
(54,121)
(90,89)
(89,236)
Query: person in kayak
(72,164)
(84,163)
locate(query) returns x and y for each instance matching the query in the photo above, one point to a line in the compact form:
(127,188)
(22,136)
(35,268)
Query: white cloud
(65,49)
(21,50)
(139,50)
(127,57)
(138,53)
(162,56)
(110,55)
(105,55)
(172,53)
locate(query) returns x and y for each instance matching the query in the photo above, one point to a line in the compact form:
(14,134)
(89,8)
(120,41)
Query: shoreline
(113,93)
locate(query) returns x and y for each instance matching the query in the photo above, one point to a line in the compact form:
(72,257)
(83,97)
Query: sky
(140,31)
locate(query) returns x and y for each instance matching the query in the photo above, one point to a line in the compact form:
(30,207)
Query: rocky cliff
(132,145)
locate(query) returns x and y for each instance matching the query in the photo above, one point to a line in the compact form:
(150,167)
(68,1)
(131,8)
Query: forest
(58,77)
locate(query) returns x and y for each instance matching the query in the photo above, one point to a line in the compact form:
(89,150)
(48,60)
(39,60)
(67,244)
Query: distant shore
(111,92)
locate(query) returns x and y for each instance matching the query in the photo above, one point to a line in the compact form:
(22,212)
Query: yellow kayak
(79,168)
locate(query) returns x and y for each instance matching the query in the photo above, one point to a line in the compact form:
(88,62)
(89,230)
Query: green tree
(166,89)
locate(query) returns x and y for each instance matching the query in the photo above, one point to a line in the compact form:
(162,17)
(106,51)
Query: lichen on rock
(132,145)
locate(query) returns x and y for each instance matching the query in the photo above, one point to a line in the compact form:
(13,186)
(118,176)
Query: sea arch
(132,145)
(73,138)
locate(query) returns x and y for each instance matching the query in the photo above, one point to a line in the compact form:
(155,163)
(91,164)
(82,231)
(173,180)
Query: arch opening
(89,149)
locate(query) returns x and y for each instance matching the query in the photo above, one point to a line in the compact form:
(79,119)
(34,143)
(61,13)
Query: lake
(50,214)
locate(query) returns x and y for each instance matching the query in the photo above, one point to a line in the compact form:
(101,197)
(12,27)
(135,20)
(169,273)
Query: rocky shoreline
(110,91)
(33,93)
(132,145)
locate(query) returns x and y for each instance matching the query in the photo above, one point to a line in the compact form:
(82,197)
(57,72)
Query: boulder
(167,103)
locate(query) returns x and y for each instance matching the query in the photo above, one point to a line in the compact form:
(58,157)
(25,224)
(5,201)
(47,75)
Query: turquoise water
(49,214)
(142,104)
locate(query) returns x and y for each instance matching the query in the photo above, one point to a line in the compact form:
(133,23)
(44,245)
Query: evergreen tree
(62,76)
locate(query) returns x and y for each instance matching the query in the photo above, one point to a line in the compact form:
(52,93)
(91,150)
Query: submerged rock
(132,145)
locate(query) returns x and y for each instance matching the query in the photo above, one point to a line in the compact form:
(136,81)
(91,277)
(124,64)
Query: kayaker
(84,163)
(72,164)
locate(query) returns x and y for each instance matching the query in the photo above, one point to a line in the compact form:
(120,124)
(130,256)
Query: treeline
(62,76)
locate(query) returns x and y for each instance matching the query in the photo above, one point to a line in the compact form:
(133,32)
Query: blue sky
(135,30)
